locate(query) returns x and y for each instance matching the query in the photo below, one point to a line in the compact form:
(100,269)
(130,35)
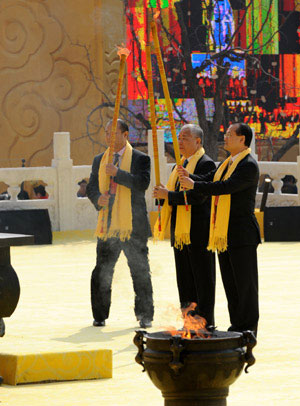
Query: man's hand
(182,171)
(103,200)
(160,192)
(186,182)
(111,170)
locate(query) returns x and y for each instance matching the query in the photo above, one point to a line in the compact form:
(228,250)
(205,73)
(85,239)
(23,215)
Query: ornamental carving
(45,76)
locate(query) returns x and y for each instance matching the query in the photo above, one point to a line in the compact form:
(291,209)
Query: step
(55,366)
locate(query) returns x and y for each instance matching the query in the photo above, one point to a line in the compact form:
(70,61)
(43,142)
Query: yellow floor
(54,315)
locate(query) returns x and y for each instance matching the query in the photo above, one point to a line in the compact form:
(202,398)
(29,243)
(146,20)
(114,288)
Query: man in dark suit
(195,266)
(137,180)
(238,259)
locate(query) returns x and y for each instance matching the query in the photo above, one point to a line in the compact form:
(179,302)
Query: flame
(156,15)
(123,51)
(193,324)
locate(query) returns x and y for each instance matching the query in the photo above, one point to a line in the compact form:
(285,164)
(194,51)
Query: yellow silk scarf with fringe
(220,207)
(183,217)
(121,216)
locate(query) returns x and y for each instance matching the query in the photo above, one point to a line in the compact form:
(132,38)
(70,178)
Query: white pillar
(63,164)
(253,145)
(162,166)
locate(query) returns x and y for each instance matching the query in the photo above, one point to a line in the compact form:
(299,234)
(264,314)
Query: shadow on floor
(95,334)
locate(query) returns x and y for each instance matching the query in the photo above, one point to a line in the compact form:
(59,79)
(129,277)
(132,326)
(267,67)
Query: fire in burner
(194,326)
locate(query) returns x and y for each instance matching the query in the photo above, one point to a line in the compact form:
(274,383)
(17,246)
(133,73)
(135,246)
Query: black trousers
(196,279)
(108,252)
(240,279)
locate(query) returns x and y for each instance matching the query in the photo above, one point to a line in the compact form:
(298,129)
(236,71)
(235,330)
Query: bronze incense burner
(197,371)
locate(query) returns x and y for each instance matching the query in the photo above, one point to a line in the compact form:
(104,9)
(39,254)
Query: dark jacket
(243,228)
(200,207)
(137,180)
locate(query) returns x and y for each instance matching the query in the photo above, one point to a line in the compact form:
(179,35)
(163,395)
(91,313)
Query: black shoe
(99,323)
(145,323)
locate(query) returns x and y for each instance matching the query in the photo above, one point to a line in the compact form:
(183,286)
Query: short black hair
(121,124)
(246,131)
(40,189)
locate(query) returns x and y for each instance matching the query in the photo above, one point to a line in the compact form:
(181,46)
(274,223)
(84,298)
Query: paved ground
(54,314)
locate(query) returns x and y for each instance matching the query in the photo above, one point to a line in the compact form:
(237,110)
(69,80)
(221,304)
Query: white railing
(68,212)
(15,176)
(276,170)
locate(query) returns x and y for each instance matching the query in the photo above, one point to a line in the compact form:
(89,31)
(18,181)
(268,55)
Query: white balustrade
(69,212)
(277,171)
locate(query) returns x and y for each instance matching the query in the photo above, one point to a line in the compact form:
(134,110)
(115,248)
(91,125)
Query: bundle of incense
(167,98)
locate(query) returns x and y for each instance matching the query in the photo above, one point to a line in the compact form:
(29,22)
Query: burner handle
(139,342)
(176,346)
(250,342)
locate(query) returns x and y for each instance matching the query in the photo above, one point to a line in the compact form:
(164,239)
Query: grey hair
(195,130)
(121,124)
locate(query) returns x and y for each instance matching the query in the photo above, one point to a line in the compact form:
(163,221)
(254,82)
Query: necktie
(112,190)
(226,169)
(113,185)
(186,161)
(217,197)
(116,159)
(177,181)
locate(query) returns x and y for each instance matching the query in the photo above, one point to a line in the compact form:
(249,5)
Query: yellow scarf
(220,207)
(121,216)
(183,217)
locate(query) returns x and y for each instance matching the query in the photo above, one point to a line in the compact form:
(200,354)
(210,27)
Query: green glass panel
(152,3)
(164,3)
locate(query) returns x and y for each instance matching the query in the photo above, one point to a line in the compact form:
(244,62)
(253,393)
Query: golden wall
(58,62)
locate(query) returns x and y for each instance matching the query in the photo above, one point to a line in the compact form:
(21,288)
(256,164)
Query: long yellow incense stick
(152,114)
(166,91)
(167,98)
(123,54)
(153,124)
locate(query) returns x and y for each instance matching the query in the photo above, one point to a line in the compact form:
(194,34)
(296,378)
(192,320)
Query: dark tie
(116,159)
(177,181)
(226,169)
(112,190)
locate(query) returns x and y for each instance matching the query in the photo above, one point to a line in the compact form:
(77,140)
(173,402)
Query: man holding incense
(234,231)
(122,224)
(195,266)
